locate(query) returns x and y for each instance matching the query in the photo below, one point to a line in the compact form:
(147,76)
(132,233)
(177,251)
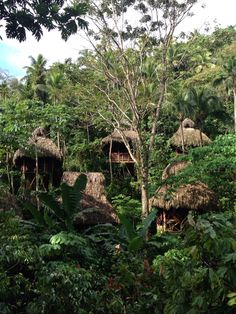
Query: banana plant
(63,210)
(137,237)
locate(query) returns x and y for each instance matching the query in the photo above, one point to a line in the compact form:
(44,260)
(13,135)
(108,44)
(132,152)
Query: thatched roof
(39,132)
(45,148)
(188,123)
(192,138)
(196,197)
(116,137)
(173,168)
(97,209)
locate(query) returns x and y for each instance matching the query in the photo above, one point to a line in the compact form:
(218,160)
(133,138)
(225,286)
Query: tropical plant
(22,16)
(199,277)
(63,212)
(228,77)
(204,104)
(36,77)
(136,237)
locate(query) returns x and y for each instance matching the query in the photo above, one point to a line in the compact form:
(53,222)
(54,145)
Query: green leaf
(136,243)
(35,213)
(127,226)
(147,222)
(79,187)
(52,204)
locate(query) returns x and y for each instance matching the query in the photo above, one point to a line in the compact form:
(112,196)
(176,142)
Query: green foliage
(198,276)
(213,165)
(136,237)
(21,16)
(127,206)
(64,211)
(60,287)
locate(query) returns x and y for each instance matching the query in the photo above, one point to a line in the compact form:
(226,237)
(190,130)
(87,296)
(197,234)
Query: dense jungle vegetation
(144,79)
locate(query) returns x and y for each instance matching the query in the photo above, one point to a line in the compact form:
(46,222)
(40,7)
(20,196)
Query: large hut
(40,161)
(187,136)
(96,207)
(114,146)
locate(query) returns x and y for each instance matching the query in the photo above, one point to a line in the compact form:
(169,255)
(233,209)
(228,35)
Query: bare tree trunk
(37,177)
(144,175)
(182,136)
(8,170)
(234,91)
(110,161)
(144,191)
(58,140)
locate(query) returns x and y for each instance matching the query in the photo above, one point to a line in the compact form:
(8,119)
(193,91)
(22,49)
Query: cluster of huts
(40,163)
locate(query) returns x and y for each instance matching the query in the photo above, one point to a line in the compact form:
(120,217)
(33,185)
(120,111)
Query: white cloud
(51,46)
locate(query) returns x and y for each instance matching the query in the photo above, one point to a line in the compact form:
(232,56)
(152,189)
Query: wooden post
(110,161)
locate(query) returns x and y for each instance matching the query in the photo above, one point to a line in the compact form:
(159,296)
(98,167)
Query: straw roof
(188,123)
(196,197)
(173,168)
(116,137)
(96,207)
(192,138)
(39,132)
(45,148)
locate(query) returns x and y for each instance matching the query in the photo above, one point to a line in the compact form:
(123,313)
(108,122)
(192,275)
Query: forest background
(81,102)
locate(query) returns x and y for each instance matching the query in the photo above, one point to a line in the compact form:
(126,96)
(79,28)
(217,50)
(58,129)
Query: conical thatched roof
(116,137)
(97,209)
(196,197)
(173,168)
(192,138)
(45,148)
(188,123)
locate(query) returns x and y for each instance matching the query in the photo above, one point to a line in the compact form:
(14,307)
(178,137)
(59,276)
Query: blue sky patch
(5,63)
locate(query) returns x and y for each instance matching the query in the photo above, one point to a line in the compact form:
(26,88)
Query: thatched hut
(114,147)
(173,168)
(188,137)
(96,207)
(40,157)
(176,203)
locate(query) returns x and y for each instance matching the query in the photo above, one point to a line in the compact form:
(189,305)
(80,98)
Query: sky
(14,56)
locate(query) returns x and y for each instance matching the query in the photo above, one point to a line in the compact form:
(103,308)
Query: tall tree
(183,109)
(203,103)
(134,61)
(36,77)
(228,77)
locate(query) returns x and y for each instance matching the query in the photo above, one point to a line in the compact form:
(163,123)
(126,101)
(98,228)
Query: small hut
(115,148)
(173,168)
(39,160)
(188,137)
(96,207)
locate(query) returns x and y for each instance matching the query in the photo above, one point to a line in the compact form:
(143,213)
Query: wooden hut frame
(115,141)
(39,159)
(176,203)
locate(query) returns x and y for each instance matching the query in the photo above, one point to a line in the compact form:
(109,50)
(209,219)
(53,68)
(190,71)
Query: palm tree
(55,84)
(183,110)
(228,77)
(203,104)
(4,90)
(36,77)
